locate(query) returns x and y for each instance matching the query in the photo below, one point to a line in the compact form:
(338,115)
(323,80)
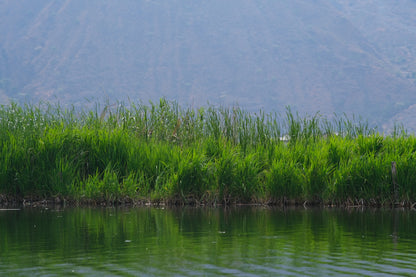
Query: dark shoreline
(7,201)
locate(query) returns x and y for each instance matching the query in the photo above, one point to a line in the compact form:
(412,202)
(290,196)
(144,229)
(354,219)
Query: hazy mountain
(314,55)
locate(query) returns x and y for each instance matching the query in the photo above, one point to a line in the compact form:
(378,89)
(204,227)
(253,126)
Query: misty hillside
(357,57)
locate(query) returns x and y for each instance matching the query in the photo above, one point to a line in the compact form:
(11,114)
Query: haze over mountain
(357,57)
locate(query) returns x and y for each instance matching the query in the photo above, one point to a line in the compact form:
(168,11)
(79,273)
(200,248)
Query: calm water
(207,242)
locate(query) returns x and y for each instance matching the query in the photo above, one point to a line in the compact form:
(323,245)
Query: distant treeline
(215,155)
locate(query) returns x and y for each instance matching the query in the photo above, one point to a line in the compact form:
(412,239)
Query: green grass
(162,152)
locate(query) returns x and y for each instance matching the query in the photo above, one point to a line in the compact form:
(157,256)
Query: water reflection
(196,241)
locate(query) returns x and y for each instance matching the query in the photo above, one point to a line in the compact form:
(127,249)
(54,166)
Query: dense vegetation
(162,152)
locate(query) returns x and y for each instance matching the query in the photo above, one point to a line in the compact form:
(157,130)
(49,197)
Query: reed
(163,152)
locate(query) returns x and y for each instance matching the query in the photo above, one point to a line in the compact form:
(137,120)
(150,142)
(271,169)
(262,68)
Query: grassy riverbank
(162,152)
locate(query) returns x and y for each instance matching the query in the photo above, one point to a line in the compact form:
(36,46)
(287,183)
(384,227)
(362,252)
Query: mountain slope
(328,56)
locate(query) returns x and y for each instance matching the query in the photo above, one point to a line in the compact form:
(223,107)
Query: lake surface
(248,241)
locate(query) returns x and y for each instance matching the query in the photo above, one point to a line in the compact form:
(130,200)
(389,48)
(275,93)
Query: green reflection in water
(196,241)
